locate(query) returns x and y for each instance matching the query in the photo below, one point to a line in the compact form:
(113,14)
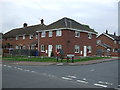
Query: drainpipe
(38,43)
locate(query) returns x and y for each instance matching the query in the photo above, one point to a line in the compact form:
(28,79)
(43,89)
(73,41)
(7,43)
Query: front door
(49,50)
(85,51)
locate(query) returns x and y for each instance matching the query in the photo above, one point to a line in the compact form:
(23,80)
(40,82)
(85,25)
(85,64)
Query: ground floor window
(42,48)
(89,48)
(24,47)
(17,47)
(58,47)
(77,48)
(116,50)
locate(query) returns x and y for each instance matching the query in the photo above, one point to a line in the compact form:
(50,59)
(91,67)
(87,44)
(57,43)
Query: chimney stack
(25,25)
(106,31)
(42,21)
(114,34)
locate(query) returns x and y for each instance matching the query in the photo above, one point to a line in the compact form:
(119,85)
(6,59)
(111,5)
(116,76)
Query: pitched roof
(69,23)
(24,30)
(115,37)
(111,36)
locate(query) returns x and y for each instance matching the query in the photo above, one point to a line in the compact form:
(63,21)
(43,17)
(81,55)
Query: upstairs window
(50,33)
(77,48)
(115,42)
(77,34)
(98,41)
(31,36)
(43,34)
(118,42)
(89,36)
(23,36)
(16,37)
(58,33)
(36,36)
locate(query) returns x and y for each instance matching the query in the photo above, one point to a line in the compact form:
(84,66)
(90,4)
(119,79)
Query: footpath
(58,63)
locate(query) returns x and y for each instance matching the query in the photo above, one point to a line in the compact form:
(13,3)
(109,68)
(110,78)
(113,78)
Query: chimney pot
(106,31)
(42,21)
(25,25)
(114,34)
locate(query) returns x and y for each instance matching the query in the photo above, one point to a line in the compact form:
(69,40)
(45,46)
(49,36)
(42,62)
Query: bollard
(72,59)
(67,59)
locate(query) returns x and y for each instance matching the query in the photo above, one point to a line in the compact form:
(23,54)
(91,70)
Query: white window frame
(115,42)
(23,36)
(31,37)
(58,47)
(17,37)
(16,47)
(42,48)
(89,35)
(98,41)
(24,47)
(50,33)
(118,42)
(77,34)
(77,48)
(43,34)
(89,49)
(59,33)
(36,36)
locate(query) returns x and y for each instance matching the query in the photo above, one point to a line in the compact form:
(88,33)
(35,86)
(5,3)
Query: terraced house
(66,34)
(22,38)
(69,36)
(108,44)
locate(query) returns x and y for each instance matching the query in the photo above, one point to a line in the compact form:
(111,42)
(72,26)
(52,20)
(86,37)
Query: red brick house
(22,38)
(68,35)
(108,44)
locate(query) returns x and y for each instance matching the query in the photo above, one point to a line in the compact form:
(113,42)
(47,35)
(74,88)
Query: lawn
(49,59)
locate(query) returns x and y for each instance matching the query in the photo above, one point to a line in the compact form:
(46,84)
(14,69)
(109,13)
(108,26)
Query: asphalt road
(101,75)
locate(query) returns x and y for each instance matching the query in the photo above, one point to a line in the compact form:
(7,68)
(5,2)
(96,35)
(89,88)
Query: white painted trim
(105,35)
(100,85)
(66,28)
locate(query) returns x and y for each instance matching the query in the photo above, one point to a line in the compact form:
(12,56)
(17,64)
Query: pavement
(59,63)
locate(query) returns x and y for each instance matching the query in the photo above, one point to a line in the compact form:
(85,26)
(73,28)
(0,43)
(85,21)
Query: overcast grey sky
(98,14)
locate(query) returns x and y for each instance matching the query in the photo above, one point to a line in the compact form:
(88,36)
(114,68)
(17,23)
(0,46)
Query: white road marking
(27,70)
(105,83)
(72,76)
(66,78)
(9,66)
(81,81)
(92,70)
(15,67)
(4,65)
(96,84)
(84,78)
(32,71)
(20,69)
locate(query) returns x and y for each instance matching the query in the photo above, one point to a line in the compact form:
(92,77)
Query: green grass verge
(47,59)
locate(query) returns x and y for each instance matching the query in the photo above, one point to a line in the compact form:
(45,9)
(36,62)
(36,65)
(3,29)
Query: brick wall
(68,41)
